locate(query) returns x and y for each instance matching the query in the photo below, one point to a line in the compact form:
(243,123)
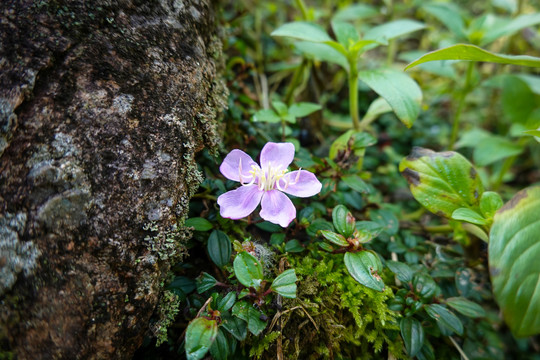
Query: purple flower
(265,184)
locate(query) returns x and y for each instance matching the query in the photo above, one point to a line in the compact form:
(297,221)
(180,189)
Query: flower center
(267,178)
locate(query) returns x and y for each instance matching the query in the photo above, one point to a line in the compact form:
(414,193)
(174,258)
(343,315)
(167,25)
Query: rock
(103,106)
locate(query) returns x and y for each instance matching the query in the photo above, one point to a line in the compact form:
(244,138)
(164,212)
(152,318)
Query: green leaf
(445,318)
(364,267)
(399,90)
(303,109)
(248,270)
(442,182)
(412,334)
(226,302)
(293,246)
(251,315)
(323,52)
(268,116)
(220,348)
(343,221)
(403,271)
(356,183)
(285,284)
(532,132)
(450,15)
(386,219)
(200,334)
(468,215)
(493,149)
(345,33)
(514,250)
(474,53)
(511,27)
(205,282)
(280,107)
(198,223)
(378,107)
(424,286)
(466,307)
(219,248)
(303,31)
(355,12)
(393,29)
(490,202)
(235,326)
(334,238)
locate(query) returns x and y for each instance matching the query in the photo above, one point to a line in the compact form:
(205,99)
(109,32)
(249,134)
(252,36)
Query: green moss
(167,244)
(353,322)
(167,310)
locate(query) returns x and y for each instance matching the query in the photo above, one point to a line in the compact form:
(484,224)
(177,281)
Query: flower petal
(230,168)
(277,208)
(239,203)
(277,154)
(301,183)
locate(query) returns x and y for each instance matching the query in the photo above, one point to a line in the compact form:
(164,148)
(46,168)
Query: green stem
(295,81)
(300,4)
(353,99)
(461,104)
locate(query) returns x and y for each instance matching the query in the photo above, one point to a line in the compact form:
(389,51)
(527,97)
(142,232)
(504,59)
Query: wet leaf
(514,251)
(442,181)
(364,267)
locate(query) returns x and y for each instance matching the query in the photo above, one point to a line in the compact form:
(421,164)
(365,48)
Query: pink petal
(301,183)
(277,154)
(239,203)
(230,168)
(277,208)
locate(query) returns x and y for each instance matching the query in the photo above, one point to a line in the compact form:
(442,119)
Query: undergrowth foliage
(376,194)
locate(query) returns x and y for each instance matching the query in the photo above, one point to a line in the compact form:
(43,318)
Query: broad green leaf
(399,90)
(393,29)
(285,284)
(386,219)
(356,183)
(425,287)
(412,334)
(343,221)
(280,107)
(466,307)
(322,52)
(303,31)
(364,267)
(443,68)
(511,27)
(514,250)
(518,100)
(200,334)
(220,348)
(345,33)
(198,223)
(445,318)
(472,137)
(293,246)
(226,302)
(251,315)
(266,115)
(357,139)
(303,109)
(235,326)
(532,132)
(355,12)
(205,282)
(490,202)
(334,238)
(403,271)
(248,270)
(378,107)
(219,248)
(474,53)
(468,215)
(450,15)
(493,149)
(442,182)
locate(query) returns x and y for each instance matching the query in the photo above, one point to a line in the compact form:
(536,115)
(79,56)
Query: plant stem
(461,104)
(353,98)
(300,4)
(295,81)
(507,164)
